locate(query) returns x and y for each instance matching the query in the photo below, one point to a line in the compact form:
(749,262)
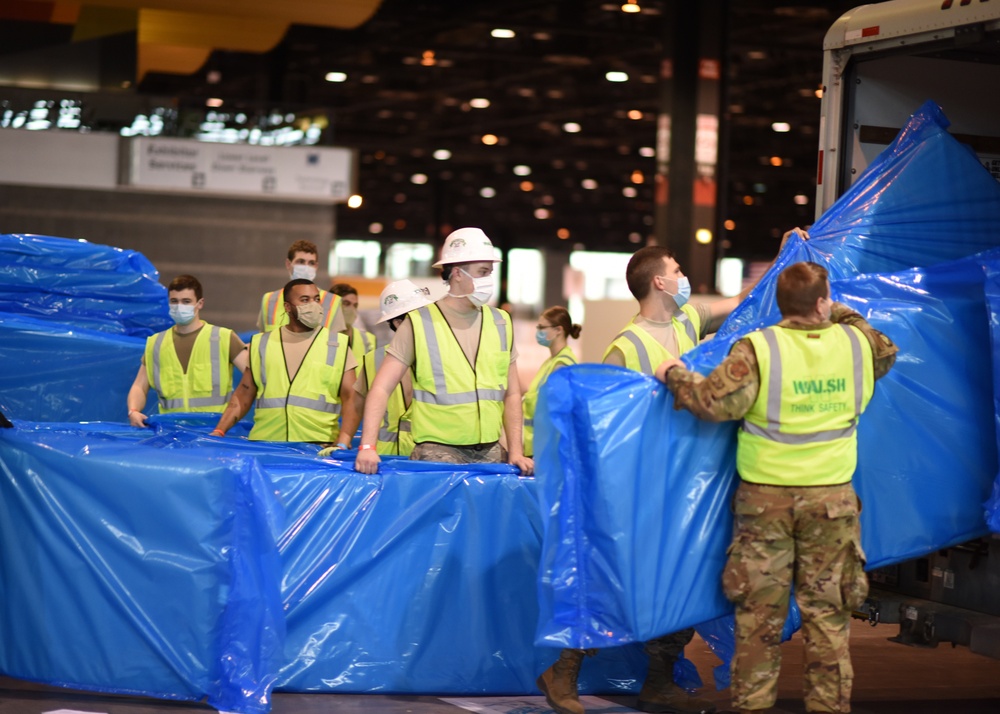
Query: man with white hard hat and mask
(465,385)
(395,437)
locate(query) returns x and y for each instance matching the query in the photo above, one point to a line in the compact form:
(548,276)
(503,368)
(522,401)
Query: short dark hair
(291,284)
(186,282)
(559,317)
(799,287)
(343,289)
(302,246)
(644,265)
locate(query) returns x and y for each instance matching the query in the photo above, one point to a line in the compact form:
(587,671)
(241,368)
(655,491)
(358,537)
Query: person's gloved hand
(323,453)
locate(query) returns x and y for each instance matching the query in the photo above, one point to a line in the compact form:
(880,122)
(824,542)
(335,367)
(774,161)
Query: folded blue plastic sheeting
(993,306)
(61,373)
(418,580)
(124,571)
(81,284)
(637,494)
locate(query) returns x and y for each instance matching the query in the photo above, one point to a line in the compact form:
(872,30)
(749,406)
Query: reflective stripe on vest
(216,399)
(683,326)
(441,396)
(772,431)
(456,401)
(320,405)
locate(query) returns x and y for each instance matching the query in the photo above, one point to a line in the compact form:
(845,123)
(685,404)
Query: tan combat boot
(659,694)
(558,683)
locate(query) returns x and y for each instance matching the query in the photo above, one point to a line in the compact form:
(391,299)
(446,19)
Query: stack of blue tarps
(420,579)
(122,570)
(637,495)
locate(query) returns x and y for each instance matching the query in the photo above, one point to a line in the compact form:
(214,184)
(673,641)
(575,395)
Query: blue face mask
(182,314)
(683,293)
(542,339)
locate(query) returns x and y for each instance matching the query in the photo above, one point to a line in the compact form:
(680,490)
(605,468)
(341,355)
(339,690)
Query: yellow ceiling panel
(181,29)
(175,60)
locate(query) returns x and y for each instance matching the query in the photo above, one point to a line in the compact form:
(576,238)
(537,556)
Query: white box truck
(880,63)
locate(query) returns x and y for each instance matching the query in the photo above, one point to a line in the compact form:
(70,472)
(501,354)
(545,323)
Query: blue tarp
(637,495)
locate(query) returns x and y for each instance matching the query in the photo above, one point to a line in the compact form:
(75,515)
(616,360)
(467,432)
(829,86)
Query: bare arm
(351,415)
(136,400)
(512,424)
(386,379)
(242,360)
(239,404)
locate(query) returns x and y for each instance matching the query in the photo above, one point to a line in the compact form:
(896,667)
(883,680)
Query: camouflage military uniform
(809,536)
(447,454)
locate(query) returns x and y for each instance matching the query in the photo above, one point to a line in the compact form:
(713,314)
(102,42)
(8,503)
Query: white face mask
(350,315)
(310,314)
(182,314)
(300,271)
(482,290)
(683,290)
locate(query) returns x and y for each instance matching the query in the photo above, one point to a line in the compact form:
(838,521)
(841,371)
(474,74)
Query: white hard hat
(467,245)
(400,297)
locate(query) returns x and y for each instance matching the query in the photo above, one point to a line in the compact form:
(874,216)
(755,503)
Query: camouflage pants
(483,454)
(809,536)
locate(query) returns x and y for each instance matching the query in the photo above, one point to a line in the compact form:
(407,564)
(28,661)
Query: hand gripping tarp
(636,495)
(81,284)
(129,570)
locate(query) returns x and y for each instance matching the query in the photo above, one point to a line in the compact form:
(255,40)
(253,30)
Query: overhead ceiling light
(487,192)
(502,33)
(542,213)
(213,102)
(615,76)
(527,186)
(730,224)
(479,103)
(571,127)
(354,201)
(562,233)
(589,184)
(634,114)
(522,170)
(631,6)
(756,54)
(490,139)
(336,77)
(629,192)
(647,151)
(819,93)
(419,179)
(637,176)
(427,59)
(634,237)
(375,228)
(703,236)
(442,154)
(776,161)
(781,127)
(801,200)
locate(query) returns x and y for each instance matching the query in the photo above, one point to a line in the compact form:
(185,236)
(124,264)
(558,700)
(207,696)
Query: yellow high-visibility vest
(455,402)
(563,358)
(208,382)
(361,343)
(644,354)
(308,408)
(802,428)
(395,437)
(272,308)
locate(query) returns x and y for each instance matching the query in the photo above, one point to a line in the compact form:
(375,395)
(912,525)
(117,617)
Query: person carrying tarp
(799,388)
(395,437)
(300,375)
(360,341)
(301,262)
(465,383)
(554,328)
(189,364)
(665,327)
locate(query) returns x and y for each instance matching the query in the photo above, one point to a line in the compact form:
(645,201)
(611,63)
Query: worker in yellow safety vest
(360,341)
(303,257)
(395,437)
(301,376)
(799,388)
(190,366)
(666,327)
(465,384)
(552,331)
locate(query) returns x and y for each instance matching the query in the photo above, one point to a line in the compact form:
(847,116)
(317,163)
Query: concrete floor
(889,679)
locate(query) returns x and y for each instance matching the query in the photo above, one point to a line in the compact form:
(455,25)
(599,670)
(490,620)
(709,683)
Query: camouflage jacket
(731,389)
